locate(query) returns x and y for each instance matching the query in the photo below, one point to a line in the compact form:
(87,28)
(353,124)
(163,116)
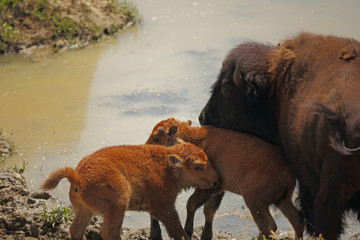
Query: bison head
(240,96)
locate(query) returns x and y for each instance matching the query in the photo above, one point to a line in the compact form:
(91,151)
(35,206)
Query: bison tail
(53,180)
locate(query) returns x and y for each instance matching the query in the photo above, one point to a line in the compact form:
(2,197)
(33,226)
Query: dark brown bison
(313,98)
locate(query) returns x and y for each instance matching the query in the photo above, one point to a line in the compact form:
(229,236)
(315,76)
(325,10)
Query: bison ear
(175,160)
(172,130)
(188,122)
(237,73)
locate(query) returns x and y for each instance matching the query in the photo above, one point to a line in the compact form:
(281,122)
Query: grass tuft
(61,214)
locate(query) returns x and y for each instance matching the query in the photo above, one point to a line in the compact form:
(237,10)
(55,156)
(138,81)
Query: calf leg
(196,200)
(170,218)
(155,230)
(210,208)
(293,215)
(82,215)
(80,222)
(112,222)
(262,217)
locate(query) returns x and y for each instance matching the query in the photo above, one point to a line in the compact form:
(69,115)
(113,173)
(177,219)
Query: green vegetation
(130,9)
(61,23)
(20,169)
(61,214)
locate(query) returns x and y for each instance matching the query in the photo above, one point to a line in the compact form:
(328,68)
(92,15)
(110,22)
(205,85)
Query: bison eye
(226,89)
(156,139)
(197,168)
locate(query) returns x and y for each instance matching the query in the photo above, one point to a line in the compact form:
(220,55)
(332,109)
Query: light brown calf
(247,165)
(141,178)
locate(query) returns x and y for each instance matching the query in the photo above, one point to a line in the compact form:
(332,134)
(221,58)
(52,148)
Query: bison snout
(202,117)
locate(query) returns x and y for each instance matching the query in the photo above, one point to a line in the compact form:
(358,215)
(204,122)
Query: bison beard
(309,97)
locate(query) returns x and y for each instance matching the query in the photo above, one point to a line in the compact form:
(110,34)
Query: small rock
(41,195)
(355,237)
(31,201)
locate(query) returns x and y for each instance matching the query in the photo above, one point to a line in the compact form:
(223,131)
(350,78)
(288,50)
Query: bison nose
(202,117)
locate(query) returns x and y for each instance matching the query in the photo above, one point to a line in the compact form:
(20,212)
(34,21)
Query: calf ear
(172,130)
(175,160)
(188,122)
(349,52)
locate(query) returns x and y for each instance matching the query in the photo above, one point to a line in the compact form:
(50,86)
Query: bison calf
(248,166)
(141,178)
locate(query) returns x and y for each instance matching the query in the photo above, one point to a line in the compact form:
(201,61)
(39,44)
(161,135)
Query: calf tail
(53,180)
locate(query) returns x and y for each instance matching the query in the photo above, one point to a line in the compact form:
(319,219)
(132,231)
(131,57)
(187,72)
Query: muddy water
(62,107)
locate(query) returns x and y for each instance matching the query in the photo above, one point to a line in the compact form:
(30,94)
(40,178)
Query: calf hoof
(189,233)
(155,230)
(155,236)
(189,230)
(207,233)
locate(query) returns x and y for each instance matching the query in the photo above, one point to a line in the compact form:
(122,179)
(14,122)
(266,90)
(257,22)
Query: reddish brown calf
(141,178)
(248,166)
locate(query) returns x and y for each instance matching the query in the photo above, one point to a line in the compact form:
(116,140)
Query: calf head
(193,164)
(164,133)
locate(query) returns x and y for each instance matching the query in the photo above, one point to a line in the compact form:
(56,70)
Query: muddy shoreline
(26,214)
(26,26)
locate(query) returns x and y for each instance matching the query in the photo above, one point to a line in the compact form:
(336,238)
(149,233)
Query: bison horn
(237,73)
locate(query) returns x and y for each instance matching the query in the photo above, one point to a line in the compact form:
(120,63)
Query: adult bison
(312,99)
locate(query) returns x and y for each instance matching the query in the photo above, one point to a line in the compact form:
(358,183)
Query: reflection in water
(62,107)
(147,102)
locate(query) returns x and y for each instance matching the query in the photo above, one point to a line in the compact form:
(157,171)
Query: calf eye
(197,168)
(155,139)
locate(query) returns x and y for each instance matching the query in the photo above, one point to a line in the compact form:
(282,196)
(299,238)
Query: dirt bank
(37,215)
(6,147)
(26,25)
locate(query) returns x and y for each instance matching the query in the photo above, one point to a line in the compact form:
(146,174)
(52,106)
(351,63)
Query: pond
(62,107)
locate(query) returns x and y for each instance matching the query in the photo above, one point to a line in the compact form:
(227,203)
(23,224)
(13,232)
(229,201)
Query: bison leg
(170,218)
(196,200)
(210,208)
(293,215)
(328,213)
(155,230)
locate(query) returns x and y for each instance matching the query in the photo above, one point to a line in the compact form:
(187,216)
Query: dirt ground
(30,215)
(5,146)
(26,25)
